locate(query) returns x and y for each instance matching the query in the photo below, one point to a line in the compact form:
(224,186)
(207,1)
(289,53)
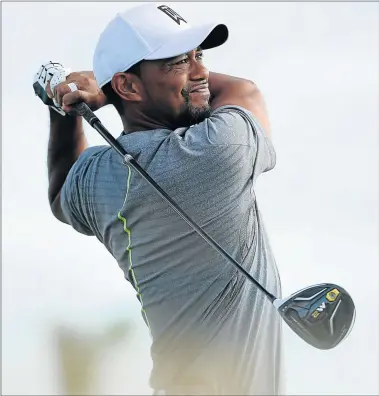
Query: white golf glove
(54,73)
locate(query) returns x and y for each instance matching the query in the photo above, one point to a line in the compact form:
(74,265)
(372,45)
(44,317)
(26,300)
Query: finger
(60,91)
(71,98)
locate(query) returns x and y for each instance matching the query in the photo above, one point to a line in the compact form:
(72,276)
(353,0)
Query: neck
(141,122)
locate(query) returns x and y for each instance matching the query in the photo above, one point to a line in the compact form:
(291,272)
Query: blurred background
(70,323)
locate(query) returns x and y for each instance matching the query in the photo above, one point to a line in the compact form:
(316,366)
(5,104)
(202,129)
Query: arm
(228,90)
(66,143)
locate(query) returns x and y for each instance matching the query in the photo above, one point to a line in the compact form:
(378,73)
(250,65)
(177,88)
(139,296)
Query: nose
(198,71)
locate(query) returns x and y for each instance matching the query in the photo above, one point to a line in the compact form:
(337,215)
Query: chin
(199,113)
(193,115)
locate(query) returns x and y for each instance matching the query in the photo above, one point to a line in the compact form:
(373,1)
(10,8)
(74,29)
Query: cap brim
(204,36)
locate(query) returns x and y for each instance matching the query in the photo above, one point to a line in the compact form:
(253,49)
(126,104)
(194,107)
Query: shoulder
(81,172)
(233,114)
(86,160)
(91,153)
(228,125)
(71,206)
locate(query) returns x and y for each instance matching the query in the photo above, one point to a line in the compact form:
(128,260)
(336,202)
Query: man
(204,138)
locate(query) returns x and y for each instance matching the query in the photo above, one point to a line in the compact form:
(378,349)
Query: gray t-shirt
(210,326)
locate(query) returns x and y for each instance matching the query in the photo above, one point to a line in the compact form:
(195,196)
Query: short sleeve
(235,126)
(76,192)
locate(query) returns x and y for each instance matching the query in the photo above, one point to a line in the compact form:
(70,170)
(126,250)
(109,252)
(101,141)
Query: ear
(127,86)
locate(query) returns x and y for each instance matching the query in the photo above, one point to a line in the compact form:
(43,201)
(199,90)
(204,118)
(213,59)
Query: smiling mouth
(200,91)
(200,88)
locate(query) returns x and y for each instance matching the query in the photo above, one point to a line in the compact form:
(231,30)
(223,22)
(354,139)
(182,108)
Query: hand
(49,73)
(88,92)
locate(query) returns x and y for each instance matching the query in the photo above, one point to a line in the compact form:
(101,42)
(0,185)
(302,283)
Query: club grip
(83,110)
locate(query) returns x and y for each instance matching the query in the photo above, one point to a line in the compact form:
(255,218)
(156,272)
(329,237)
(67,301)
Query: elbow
(254,101)
(250,89)
(56,208)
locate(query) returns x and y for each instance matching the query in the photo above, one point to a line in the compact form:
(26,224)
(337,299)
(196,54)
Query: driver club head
(322,315)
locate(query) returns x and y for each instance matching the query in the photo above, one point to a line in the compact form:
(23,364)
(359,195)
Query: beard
(191,114)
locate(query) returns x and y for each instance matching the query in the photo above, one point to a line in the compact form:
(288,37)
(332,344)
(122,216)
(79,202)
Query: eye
(199,55)
(182,62)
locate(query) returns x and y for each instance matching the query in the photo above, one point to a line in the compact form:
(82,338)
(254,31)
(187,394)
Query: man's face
(175,91)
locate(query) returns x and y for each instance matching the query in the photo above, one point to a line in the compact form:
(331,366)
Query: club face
(322,315)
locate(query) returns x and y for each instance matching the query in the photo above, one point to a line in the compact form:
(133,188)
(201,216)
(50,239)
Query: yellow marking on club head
(315,314)
(332,295)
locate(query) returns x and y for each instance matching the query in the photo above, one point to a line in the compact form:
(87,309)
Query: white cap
(146,32)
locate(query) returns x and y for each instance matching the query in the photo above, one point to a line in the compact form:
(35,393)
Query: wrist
(68,119)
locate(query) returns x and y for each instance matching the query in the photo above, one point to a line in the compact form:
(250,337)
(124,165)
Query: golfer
(204,138)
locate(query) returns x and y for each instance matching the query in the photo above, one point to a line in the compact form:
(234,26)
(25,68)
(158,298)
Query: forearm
(228,90)
(67,141)
(223,85)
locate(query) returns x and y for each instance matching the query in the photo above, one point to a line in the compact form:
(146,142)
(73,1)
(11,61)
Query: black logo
(172,14)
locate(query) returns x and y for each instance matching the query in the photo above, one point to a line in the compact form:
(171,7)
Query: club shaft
(91,118)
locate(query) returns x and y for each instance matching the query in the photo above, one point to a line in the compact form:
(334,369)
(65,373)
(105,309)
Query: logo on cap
(172,14)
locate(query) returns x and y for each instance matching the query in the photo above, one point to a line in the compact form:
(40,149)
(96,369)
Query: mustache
(186,93)
(186,90)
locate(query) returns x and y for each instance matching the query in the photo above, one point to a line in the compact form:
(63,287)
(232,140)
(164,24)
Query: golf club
(322,315)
